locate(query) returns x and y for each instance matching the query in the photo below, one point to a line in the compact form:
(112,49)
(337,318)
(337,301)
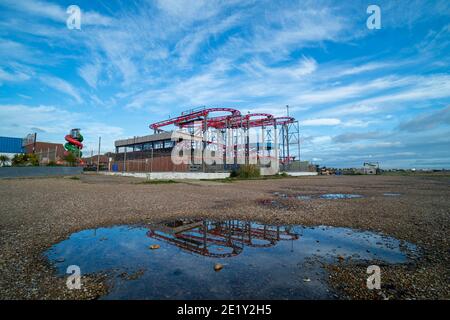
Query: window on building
(158,145)
(148,146)
(169,144)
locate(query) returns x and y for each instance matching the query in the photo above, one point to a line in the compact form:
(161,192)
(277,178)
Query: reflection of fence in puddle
(219,239)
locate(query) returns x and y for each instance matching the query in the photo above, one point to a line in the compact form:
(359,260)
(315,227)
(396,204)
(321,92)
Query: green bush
(233,174)
(247,171)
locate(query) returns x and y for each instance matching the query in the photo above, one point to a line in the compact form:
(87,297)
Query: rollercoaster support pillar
(192,146)
(283,152)
(235,148)
(204,131)
(263,147)
(288,155)
(247,145)
(224,148)
(276,156)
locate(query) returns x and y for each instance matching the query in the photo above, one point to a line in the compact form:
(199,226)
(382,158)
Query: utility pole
(298,141)
(34,142)
(98,155)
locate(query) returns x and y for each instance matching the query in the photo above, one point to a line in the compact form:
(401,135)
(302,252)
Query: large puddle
(329,196)
(259,261)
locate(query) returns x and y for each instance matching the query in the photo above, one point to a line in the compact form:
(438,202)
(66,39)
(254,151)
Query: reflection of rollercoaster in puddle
(219,239)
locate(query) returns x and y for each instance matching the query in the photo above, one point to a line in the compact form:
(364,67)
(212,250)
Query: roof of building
(143,139)
(11,145)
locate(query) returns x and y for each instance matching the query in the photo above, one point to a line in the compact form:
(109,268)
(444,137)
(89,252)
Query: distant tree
(25,160)
(17,160)
(33,160)
(4,159)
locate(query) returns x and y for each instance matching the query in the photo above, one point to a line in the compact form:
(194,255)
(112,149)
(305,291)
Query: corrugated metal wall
(10,145)
(18,172)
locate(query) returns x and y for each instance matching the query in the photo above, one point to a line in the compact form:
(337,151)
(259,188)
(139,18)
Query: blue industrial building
(11,145)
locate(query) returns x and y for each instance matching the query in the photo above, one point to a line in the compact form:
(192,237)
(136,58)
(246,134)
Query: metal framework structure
(286,128)
(219,239)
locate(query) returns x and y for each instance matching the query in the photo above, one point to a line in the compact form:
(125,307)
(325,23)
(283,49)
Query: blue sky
(359,94)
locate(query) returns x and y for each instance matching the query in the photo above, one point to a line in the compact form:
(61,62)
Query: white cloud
(353,109)
(320,122)
(356,123)
(20,119)
(321,140)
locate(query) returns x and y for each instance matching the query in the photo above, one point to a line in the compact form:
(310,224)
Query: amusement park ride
(219,239)
(286,127)
(74,143)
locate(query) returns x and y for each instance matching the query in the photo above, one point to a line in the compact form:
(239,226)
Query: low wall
(24,172)
(301,173)
(171,175)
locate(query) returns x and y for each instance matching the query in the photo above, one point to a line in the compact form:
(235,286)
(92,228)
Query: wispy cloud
(12,76)
(355,136)
(90,73)
(62,86)
(427,121)
(52,11)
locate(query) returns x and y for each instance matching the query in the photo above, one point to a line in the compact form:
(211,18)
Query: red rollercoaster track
(232,121)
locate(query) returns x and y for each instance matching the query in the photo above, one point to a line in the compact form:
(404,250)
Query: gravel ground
(37,213)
